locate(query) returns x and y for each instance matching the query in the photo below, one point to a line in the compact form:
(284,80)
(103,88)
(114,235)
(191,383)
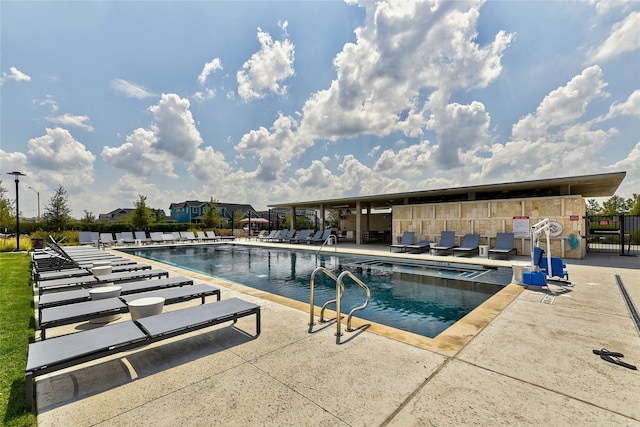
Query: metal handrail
(339,293)
(335,243)
(313,284)
(339,297)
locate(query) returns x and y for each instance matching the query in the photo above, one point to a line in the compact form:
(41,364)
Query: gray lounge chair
(323,238)
(62,352)
(407,239)
(106,239)
(303,236)
(470,243)
(504,245)
(84,238)
(447,241)
(142,237)
(127,237)
(85,281)
(418,247)
(84,311)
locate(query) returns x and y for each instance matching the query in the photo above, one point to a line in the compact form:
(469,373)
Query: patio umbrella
(255,220)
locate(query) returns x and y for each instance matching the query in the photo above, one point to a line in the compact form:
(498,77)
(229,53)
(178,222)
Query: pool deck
(523,358)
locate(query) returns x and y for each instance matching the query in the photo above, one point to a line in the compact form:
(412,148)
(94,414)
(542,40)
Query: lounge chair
(323,238)
(70,350)
(407,239)
(188,236)
(156,237)
(80,272)
(84,311)
(303,236)
(82,282)
(447,242)
(470,243)
(106,239)
(142,237)
(269,236)
(84,238)
(504,245)
(211,235)
(316,236)
(421,246)
(54,299)
(127,238)
(261,234)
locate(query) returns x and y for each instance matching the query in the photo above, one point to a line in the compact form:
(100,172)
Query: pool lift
(339,293)
(539,272)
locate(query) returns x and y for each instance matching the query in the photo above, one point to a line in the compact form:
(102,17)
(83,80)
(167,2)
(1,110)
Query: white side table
(104,292)
(144,307)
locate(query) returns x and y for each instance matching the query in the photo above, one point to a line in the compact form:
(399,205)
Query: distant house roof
(600,185)
(229,207)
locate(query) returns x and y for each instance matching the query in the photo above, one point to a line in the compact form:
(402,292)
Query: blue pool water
(414,296)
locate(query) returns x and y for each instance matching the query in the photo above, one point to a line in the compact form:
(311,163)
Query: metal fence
(614,234)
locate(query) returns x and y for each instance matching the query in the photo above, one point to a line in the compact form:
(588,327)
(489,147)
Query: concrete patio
(523,358)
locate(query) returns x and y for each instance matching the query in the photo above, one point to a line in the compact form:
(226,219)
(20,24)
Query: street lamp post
(37,194)
(17,175)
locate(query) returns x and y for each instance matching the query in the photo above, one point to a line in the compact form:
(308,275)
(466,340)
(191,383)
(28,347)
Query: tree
(6,207)
(593,207)
(141,216)
(634,204)
(334,219)
(615,205)
(211,215)
(88,217)
(57,213)
(237,217)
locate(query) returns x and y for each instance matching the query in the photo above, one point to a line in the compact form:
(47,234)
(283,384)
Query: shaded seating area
(446,243)
(470,244)
(405,240)
(504,245)
(71,350)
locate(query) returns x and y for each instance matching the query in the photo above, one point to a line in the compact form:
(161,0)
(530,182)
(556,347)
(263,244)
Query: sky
(265,102)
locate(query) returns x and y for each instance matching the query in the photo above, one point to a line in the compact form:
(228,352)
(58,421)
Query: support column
(358,223)
(322,214)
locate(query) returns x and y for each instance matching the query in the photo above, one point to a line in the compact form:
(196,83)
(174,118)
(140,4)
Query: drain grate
(548,299)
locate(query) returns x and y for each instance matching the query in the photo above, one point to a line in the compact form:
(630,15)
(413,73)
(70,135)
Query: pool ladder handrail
(333,238)
(339,293)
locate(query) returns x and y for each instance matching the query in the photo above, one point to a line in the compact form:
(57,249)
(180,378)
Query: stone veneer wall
(490,217)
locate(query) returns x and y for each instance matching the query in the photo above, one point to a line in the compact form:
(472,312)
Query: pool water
(414,296)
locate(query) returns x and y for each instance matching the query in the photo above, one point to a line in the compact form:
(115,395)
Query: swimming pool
(414,296)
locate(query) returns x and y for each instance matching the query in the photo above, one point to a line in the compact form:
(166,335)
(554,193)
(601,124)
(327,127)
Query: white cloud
(60,159)
(267,68)
(172,138)
(175,128)
(631,165)
(624,37)
(204,95)
(130,90)
(551,142)
(630,107)
(275,147)
(209,68)
(15,74)
(563,105)
(403,51)
(72,120)
(460,128)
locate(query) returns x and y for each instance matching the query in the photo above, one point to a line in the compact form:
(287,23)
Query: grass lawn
(17,324)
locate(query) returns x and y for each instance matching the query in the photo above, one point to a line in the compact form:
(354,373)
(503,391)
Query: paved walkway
(531,363)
